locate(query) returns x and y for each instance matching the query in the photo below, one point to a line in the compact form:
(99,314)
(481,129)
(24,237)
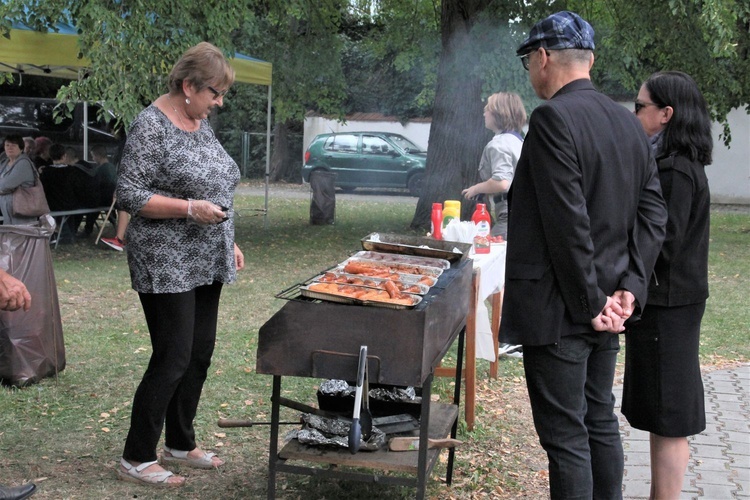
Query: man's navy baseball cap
(563,30)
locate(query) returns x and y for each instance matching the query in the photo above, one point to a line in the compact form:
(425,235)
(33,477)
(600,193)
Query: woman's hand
(471,192)
(204,212)
(239,258)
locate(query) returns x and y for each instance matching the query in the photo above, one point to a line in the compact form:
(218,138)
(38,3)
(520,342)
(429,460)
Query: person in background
(174,179)
(42,158)
(107,175)
(14,296)
(57,179)
(586,221)
(504,115)
(663,389)
(86,190)
(29,147)
(16,170)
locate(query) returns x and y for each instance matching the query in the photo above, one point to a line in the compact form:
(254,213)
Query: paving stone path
(719,467)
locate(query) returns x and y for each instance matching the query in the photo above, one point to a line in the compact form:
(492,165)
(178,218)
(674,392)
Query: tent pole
(85,131)
(268,157)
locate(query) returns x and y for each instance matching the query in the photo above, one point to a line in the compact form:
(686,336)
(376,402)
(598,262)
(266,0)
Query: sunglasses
(216,93)
(525,59)
(640,105)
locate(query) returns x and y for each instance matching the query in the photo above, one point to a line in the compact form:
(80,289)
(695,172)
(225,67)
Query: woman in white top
(505,115)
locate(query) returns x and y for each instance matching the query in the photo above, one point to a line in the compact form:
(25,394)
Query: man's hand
(13,293)
(611,319)
(626,301)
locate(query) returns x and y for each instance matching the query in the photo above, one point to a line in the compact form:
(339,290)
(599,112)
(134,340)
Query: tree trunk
(457,134)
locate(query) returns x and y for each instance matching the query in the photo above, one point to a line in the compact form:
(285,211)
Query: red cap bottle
(437,221)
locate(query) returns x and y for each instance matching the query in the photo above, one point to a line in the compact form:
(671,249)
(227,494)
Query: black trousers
(183,333)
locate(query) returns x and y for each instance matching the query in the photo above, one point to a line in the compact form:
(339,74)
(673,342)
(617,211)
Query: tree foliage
(439,58)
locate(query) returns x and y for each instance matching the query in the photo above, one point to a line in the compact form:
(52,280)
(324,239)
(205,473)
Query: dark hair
(99,150)
(15,139)
(56,151)
(688,132)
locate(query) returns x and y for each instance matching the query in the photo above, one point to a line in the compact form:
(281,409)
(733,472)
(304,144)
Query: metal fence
(248,149)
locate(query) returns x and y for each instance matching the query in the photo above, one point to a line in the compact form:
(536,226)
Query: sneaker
(115,243)
(511,351)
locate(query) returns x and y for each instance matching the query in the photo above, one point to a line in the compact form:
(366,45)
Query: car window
(375,145)
(405,143)
(342,143)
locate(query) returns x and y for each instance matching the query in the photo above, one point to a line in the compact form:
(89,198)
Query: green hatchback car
(367,159)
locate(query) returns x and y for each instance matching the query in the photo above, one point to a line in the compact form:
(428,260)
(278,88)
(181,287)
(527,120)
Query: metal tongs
(361,417)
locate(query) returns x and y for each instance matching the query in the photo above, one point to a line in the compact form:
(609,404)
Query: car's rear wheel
(415,184)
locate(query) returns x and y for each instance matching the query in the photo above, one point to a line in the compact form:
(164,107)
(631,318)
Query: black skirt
(663,389)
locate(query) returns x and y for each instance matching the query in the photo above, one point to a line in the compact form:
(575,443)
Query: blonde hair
(507,110)
(201,65)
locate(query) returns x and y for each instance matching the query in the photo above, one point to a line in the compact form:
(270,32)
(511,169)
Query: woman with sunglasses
(663,389)
(175,180)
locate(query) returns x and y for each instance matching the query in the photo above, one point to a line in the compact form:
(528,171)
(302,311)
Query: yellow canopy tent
(57,54)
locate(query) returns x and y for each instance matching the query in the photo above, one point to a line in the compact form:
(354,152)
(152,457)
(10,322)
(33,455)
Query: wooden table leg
(497,307)
(470,371)
(470,393)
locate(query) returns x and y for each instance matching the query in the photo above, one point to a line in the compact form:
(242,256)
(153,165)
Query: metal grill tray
(406,280)
(416,245)
(404,259)
(396,267)
(315,294)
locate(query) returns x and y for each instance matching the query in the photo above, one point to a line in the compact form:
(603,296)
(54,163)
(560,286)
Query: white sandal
(135,474)
(181,457)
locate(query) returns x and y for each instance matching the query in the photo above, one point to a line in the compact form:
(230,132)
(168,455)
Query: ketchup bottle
(437,221)
(483,221)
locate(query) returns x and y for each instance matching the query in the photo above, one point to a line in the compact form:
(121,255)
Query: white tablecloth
(492,279)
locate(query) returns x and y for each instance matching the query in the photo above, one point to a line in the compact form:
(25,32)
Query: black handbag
(30,201)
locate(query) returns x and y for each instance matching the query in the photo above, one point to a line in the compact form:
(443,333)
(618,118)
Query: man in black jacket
(586,222)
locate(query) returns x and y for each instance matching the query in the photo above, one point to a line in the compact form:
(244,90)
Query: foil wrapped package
(322,431)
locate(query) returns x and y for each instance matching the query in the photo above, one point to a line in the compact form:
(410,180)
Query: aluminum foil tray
(332,297)
(396,267)
(405,259)
(416,245)
(405,281)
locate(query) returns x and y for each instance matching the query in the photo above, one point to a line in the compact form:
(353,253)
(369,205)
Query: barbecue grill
(314,338)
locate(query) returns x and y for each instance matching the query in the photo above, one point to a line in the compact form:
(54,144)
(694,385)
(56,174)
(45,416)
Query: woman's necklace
(184,127)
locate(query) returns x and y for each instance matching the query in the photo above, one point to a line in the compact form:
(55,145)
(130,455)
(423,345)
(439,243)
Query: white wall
(728,176)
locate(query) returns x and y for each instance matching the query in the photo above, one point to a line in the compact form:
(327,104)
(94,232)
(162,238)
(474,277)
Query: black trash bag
(323,199)
(31,342)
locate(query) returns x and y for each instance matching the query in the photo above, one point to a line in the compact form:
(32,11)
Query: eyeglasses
(525,59)
(218,94)
(640,105)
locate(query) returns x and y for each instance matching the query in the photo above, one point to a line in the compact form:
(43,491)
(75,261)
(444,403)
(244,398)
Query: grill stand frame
(426,459)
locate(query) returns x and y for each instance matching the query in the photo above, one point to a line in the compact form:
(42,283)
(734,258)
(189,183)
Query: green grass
(67,433)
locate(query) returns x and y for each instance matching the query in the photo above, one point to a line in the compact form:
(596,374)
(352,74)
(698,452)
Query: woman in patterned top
(178,183)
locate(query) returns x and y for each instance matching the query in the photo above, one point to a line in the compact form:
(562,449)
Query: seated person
(57,179)
(42,158)
(106,174)
(85,188)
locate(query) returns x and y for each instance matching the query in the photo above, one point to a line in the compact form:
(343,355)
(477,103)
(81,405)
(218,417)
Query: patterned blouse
(176,255)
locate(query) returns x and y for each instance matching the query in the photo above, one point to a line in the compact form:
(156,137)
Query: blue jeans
(570,389)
